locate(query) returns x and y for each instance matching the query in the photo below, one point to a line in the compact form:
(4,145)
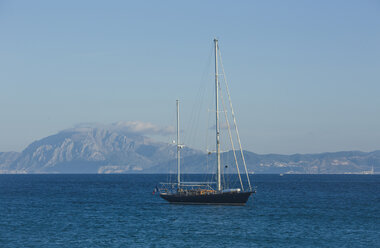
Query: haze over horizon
(304,76)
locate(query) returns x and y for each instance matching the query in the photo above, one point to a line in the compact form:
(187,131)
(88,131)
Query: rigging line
(193,132)
(192,125)
(207,147)
(201,104)
(231,140)
(210,169)
(234,119)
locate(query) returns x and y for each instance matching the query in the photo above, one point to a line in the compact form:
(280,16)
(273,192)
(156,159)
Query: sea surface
(121,211)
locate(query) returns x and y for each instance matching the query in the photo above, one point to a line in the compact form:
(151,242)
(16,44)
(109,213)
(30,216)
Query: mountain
(92,150)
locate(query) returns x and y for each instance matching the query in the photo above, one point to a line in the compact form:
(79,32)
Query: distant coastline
(111,151)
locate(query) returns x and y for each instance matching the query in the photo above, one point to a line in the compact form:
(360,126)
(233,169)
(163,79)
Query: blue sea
(120,211)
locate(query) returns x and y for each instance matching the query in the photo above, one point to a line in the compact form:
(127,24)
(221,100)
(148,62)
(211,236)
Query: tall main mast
(178,148)
(217,115)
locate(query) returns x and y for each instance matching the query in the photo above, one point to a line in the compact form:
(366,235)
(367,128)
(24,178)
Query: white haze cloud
(144,128)
(135,127)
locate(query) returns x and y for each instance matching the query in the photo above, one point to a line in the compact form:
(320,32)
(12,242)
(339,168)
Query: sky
(304,75)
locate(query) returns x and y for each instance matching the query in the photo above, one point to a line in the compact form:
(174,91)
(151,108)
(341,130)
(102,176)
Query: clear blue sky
(304,75)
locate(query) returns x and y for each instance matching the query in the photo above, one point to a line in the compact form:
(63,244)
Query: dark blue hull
(231,198)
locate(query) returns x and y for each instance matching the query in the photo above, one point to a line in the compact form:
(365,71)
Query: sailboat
(207,192)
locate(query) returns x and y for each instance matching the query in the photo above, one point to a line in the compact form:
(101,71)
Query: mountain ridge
(342,162)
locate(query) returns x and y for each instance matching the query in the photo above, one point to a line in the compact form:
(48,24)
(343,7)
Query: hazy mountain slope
(6,159)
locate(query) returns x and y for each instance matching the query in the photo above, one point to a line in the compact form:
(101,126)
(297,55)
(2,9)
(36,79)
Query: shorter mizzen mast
(178,149)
